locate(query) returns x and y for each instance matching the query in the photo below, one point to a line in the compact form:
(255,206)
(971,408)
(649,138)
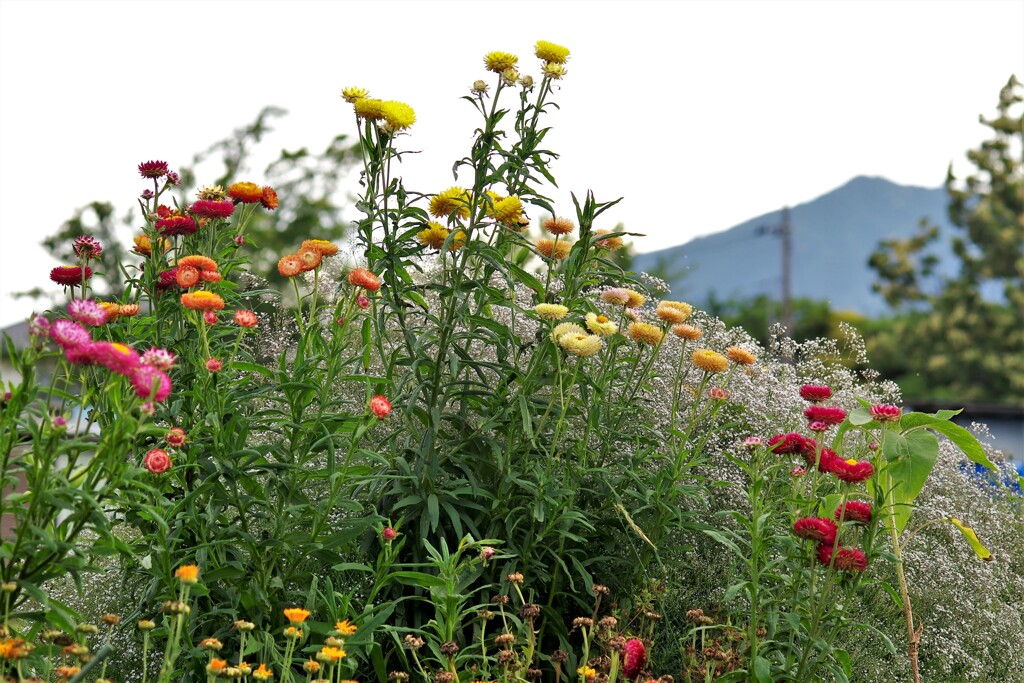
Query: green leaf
(972,538)
(963,439)
(915,454)
(860,416)
(762,670)
(433,511)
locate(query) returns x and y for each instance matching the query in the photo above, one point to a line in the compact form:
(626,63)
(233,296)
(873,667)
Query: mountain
(832,237)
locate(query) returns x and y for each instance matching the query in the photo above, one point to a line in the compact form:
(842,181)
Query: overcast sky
(700,114)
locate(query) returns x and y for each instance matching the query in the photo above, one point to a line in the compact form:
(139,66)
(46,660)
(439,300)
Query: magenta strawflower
(151,383)
(634,658)
(70,276)
(854,511)
(173,178)
(830,415)
(206,208)
(87,312)
(789,443)
(161,359)
(817,426)
(818,529)
(846,559)
(153,169)
(116,357)
(815,392)
(885,413)
(176,225)
(87,247)
(39,326)
(68,334)
(850,471)
(82,355)
(389,534)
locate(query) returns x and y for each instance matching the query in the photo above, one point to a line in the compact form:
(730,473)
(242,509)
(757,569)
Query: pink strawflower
(210,317)
(87,312)
(161,359)
(173,178)
(68,334)
(147,194)
(797,471)
(815,392)
(116,357)
(854,511)
(846,559)
(486,553)
(362,301)
(752,442)
(157,461)
(214,365)
(207,208)
(84,354)
(246,318)
(87,247)
(818,529)
(388,534)
(147,379)
(380,406)
(59,423)
(153,169)
(634,658)
(718,394)
(885,413)
(176,225)
(830,415)
(616,296)
(874,446)
(175,437)
(39,326)
(817,426)
(148,409)
(239,240)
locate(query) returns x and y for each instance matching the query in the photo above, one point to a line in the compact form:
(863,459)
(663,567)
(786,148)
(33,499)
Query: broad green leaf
(917,452)
(972,538)
(963,439)
(763,670)
(860,416)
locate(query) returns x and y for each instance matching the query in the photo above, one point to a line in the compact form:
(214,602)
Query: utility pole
(784,230)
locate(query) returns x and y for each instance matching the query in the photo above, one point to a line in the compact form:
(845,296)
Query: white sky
(701,114)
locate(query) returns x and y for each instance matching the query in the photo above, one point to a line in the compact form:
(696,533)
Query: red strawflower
(206,208)
(269,198)
(167,279)
(245,193)
(818,529)
(163,211)
(70,276)
(157,461)
(210,276)
(815,392)
(380,406)
(175,437)
(176,225)
(851,471)
(389,534)
(363,301)
(153,169)
(214,365)
(854,511)
(634,658)
(361,277)
(830,415)
(246,318)
(885,413)
(210,317)
(824,461)
(846,559)
(785,444)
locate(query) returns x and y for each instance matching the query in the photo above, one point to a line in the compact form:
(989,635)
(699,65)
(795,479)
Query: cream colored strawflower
(551,311)
(351,94)
(554,71)
(499,61)
(673,311)
(551,52)
(398,114)
(688,332)
(600,325)
(580,344)
(617,296)
(558,226)
(739,355)
(645,333)
(566,328)
(453,200)
(709,361)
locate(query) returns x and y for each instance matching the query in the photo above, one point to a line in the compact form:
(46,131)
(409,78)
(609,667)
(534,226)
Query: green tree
(968,342)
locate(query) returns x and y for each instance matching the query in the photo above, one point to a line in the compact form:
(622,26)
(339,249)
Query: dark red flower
(163,211)
(205,208)
(830,415)
(854,511)
(167,280)
(815,392)
(175,437)
(176,225)
(846,559)
(634,658)
(851,471)
(70,276)
(153,169)
(787,443)
(811,456)
(818,529)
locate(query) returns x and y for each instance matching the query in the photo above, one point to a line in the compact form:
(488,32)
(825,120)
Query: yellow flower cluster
(454,200)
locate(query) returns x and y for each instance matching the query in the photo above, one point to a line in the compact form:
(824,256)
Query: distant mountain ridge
(833,236)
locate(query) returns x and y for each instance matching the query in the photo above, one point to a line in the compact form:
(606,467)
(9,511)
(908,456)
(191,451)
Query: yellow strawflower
(551,52)
(566,328)
(601,325)
(345,628)
(453,200)
(554,71)
(499,61)
(551,311)
(433,235)
(398,114)
(645,333)
(351,94)
(580,344)
(673,311)
(369,109)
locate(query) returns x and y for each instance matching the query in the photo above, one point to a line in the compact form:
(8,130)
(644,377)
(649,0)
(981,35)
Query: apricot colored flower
(310,258)
(70,276)
(361,277)
(202,301)
(687,332)
(289,265)
(586,672)
(176,225)
(209,276)
(143,247)
(186,277)
(601,325)
(645,333)
(216,665)
(198,261)
(433,235)
(153,169)
(296,615)
(709,361)
(206,208)
(352,93)
(245,193)
(551,311)
(617,296)
(739,355)
(636,299)
(369,109)
(453,200)
(552,52)
(268,198)
(398,114)
(498,62)
(128,310)
(673,311)
(187,574)
(558,226)
(557,250)
(345,628)
(325,247)
(580,344)
(246,318)
(609,243)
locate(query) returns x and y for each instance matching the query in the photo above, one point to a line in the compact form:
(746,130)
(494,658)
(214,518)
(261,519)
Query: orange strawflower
(361,277)
(262,673)
(202,301)
(688,332)
(209,276)
(332,654)
(187,573)
(296,615)
(710,361)
(553,250)
(186,276)
(269,198)
(216,665)
(644,333)
(325,247)
(198,261)
(738,354)
(344,628)
(290,265)
(310,258)
(128,310)
(246,193)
